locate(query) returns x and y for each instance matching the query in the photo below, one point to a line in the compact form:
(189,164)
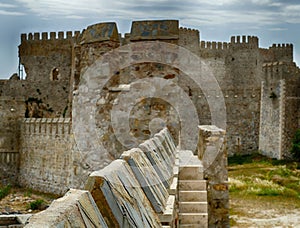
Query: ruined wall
(48,63)
(11,114)
(46,161)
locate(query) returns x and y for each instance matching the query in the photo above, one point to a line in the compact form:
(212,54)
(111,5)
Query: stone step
(192,185)
(193,207)
(191,226)
(191,172)
(192,196)
(192,219)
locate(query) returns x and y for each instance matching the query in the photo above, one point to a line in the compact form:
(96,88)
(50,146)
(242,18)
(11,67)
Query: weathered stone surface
(11,115)
(46,161)
(120,197)
(154,30)
(212,151)
(278,97)
(76,209)
(148,178)
(100,32)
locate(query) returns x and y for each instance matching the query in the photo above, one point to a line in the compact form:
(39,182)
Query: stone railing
(155,185)
(212,152)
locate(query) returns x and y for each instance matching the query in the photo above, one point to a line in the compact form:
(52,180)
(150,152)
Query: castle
(52,120)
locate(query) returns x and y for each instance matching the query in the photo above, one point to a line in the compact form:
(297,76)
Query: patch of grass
(256,158)
(28,193)
(260,176)
(4,191)
(36,205)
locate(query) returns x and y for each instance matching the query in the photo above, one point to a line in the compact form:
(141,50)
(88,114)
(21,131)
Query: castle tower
(280,104)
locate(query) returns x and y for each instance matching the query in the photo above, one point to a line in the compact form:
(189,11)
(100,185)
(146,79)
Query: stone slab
(154,30)
(75,209)
(120,197)
(147,178)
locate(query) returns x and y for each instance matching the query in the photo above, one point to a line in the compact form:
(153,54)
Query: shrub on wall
(296,145)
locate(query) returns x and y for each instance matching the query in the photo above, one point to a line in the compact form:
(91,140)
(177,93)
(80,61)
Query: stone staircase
(192,194)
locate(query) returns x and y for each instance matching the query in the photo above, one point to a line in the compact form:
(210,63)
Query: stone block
(76,209)
(120,198)
(191,172)
(193,207)
(147,177)
(154,30)
(192,185)
(100,32)
(194,219)
(158,162)
(192,196)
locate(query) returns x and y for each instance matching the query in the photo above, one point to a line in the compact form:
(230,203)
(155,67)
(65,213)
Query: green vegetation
(36,205)
(258,183)
(257,175)
(4,191)
(296,145)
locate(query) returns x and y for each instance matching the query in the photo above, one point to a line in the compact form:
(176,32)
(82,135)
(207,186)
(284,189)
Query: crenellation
(36,36)
(47,126)
(214,45)
(60,35)
(189,30)
(30,36)
(281,46)
(245,42)
(44,36)
(69,34)
(52,35)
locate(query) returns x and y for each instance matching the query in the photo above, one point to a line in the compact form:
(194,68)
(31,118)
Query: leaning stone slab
(75,209)
(120,197)
(157,161)
(148,178)
(167,140)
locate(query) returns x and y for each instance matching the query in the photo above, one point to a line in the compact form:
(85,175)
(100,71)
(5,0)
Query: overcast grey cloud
(273,21)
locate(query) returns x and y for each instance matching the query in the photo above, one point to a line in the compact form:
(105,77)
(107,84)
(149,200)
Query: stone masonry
(88,96)
(156,185)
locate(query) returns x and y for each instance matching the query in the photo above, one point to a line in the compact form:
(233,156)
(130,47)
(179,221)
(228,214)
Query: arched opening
(55,74)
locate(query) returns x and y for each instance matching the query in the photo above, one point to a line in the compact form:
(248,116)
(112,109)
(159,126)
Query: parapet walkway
(154,185)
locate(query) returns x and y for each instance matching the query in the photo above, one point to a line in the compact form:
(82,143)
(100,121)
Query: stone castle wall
(56,85)
(280,107)
(46,161)
(11,114)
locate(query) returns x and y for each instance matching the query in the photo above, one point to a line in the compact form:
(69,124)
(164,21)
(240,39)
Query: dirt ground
(266,212)
(18,201)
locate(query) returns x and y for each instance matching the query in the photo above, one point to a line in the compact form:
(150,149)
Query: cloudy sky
(273,21)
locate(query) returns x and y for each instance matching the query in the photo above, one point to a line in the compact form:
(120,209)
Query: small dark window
(55,74)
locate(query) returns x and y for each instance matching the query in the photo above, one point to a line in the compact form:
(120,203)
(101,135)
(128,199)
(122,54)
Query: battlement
(189,30)
(213,45)
(69,35)
(281,46)
(244,41)
(47,126)
(279,67)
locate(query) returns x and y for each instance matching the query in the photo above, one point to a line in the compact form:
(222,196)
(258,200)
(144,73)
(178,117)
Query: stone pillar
(212,152)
